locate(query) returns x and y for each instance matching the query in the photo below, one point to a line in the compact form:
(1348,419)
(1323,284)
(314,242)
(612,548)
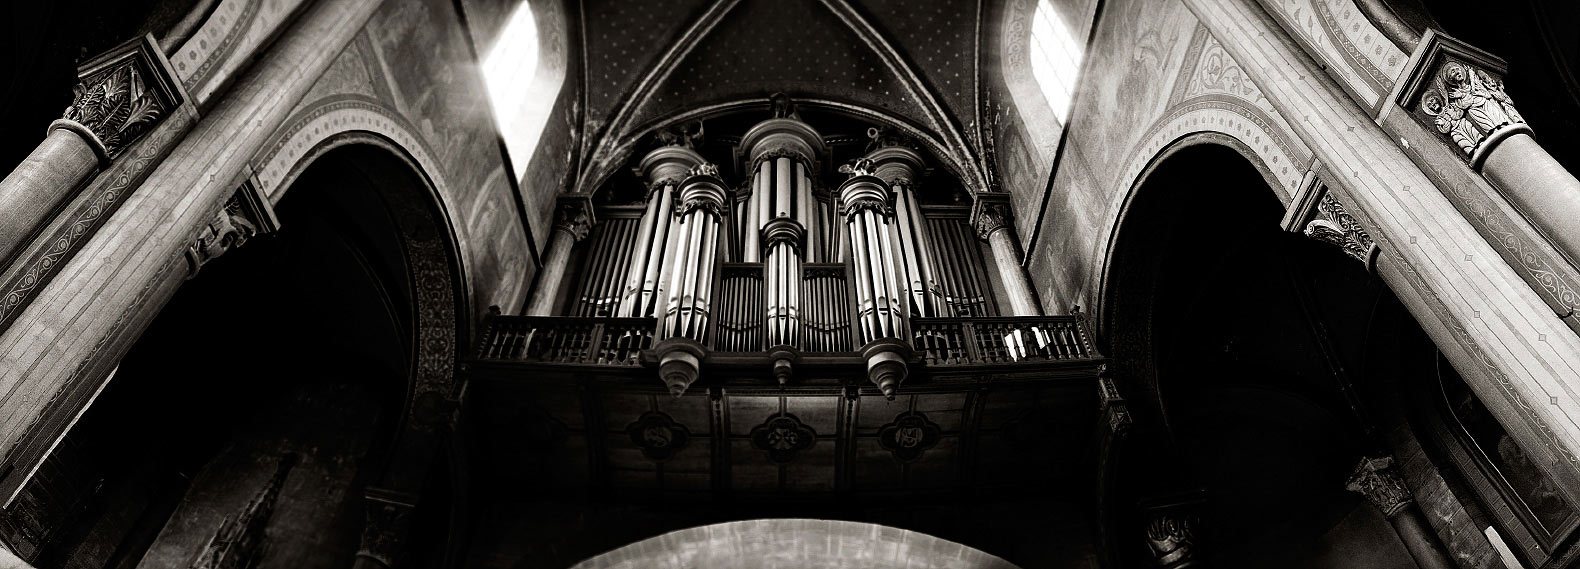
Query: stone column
(1457,90)
(664,168)
(120,95)
(880,313)
(993,221)
(783,153)
(1501,335)
(1379,482)
(694,240)
(573,219)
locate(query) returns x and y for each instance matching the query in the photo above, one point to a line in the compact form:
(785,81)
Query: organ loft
(976,284)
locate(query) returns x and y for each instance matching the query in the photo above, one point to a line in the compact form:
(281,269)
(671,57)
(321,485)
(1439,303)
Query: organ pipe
(868,213)
(664,169)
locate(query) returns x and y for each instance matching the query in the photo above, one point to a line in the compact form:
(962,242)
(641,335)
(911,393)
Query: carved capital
(667,166)
(863,192)
(778,137)
(702,190)
(1458,90)
(574,216)
(782,230)
(991,213)
(120,95)
(1379,482)
(1171,530)
(388,522)
(1321,216)
(245,215)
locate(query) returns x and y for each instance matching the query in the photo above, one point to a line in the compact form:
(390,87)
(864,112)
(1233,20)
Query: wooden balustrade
(1000,340)
(567,340)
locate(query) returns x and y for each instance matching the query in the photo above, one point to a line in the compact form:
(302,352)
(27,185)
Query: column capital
(783,230)
(1378,480)
(990,213)
(574,215)
(1171,530)
(895,165)
(120,95)
(1457,89)
(779,137)
(702,189)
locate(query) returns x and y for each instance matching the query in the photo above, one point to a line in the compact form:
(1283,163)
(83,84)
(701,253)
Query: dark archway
(281,384)
(1238,344)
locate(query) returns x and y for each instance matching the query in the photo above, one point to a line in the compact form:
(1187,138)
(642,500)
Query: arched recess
(787,542)
(1238,345)
(288,379)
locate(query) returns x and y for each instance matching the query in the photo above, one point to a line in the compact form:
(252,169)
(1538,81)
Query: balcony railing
(1000,340)
(564,340)
(939,342)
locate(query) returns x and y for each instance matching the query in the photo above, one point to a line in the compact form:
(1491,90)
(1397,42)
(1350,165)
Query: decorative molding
(388,521)
(240,540)
(1458,90)
(783,436)
(245,215)
(658,435)
(1378,480)
(909,435)
(574,215)
(120,95)
(1316,213)
(1116,411)
(1171,536)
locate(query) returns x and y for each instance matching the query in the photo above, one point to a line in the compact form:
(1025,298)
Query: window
(1055,58)
(511,71)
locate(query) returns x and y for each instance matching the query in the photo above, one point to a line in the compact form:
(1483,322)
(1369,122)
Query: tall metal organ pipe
(880,271)
(664,168)
(694,240)
(782,153)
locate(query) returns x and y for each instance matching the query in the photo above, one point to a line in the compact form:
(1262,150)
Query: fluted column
(994,223)
(664,169)
(781,208)
(694,241)
(573,218)
(1458,90)
(121,94)
(880,312)
(1379,482)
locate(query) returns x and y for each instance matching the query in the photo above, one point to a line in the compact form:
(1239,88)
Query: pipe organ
(781,265)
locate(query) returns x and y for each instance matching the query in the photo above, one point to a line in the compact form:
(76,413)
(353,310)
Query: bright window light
(1055,58)
(509,69)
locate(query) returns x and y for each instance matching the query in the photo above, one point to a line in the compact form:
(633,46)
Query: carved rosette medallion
(658,435)
(783,436)
(1379,482)
(909,435)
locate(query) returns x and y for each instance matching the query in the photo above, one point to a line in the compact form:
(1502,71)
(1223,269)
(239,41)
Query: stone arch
(810,544)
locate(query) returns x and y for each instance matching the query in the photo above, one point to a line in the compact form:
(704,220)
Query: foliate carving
(783,436)
(1171,535)
(574,217)
(1379,482)
(705,169)
(909,435)
(686,135)
(1334,225)
(874,205)
(1469,105)
(239,541)
(388,520)
(658,435)
(121,95)
(707,205)
(858,167)
(991,218)
(245,215)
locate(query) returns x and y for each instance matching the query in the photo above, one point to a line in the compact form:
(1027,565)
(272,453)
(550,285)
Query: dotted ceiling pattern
(624,38)
(939,39)
(795,46)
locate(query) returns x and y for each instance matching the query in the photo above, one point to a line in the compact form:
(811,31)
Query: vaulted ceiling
(653,63)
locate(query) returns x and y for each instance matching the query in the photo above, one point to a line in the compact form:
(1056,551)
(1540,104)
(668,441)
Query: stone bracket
(1318,214)
(245,215)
